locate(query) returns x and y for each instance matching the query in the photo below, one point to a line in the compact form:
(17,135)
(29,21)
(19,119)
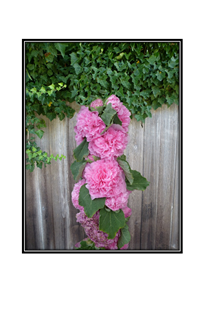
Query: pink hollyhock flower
(123,112)
(96,103)
(127,211)
(124,116)
(75,194)
(115,102)
(104,178)
(91,227)
(111,144)
(89,125)
(125,247)
(118,202)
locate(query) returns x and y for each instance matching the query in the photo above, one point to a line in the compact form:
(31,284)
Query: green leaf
(110,222)
(77,168)
(39,133)
(126,84)
(81,151)
(49,72)
(30,66)
(139,182)
(88,245)
(152,59)
(51,115)
(74,58)
(99,109)
(61,116)
(108,114)
(156,91)
(77,68)
(156,104)
(90,206)
(61,47)
(123,157)
(126,168)
(116,120)
(39,165)
(124,237)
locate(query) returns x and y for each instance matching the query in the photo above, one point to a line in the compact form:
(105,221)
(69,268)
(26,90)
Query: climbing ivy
(143,75)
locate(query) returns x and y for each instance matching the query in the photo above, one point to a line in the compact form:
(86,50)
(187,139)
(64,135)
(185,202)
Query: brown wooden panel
(134,155)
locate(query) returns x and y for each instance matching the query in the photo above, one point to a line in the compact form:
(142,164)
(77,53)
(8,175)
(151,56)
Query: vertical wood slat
(152,150)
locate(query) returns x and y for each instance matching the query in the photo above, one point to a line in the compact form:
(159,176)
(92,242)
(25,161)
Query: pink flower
(118,202)
(111,144)
(91,227)
(115,102)
(124,116)
(75,194)
(89,125)
(104,178)
(123,112)
(125,246)
(127,212)
(96,103)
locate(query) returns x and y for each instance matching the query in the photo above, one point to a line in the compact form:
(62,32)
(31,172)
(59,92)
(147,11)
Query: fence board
(153,151)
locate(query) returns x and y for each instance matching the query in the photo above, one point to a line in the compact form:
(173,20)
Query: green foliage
(81,151)
(108,114)
(37,156)
(139,182)
(126,168)
(111,221)
(142,75)
(77,168)
(88,245)
(124,237)
(90,206)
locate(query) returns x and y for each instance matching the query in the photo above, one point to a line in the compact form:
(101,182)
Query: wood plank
(169,131)
(152,134)
(134,155)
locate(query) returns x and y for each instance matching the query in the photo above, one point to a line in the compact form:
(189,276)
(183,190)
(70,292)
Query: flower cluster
(103,177)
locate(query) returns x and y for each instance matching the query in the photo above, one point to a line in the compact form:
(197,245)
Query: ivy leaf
(124,237)
(81,151)
(108,114)
(30,66)
(61,116)
(126,84)
(77,168)
(139,182)
(110,222)
(51,115)
(61,47)
(39,133)
(152,59)
(73,58)
(39,165)
(156,104)
(77,68)
(90,206)
(126,168)
(49,72)
(156,91)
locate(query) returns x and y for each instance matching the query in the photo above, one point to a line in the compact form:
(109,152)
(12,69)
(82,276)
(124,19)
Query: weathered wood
(153,151)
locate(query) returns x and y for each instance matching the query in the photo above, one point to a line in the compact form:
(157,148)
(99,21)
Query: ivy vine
(143,75)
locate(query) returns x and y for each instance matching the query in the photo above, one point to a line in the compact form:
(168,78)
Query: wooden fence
(153,150)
